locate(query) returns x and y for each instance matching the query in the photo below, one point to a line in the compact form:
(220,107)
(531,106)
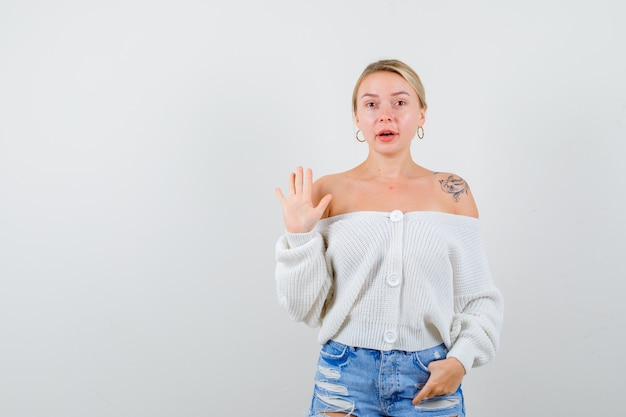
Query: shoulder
(455,194)
(325,184)
(338,185)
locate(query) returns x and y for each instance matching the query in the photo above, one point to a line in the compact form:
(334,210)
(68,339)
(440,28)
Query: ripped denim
(371,383)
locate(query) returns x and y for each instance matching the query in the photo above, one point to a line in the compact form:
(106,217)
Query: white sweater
(393,280)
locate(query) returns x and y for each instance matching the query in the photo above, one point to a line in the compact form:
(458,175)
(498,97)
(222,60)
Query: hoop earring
(420,132)
(356,135)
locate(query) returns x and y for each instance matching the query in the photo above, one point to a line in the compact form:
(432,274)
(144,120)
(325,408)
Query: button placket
(393,278)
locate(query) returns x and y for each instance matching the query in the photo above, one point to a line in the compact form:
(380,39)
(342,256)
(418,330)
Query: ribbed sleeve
(478,304)
(303,277)
(394,281)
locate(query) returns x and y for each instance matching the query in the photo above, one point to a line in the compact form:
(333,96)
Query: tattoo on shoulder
(454,185)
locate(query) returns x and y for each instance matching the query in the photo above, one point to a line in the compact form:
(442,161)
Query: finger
(424,393)
(419,398)
(292,183)
(280,195)
(308,181)
(298,182)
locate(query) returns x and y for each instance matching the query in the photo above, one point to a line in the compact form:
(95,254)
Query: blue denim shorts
(367,383)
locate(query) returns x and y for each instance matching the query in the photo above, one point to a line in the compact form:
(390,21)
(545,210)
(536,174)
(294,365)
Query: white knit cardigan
(393,280)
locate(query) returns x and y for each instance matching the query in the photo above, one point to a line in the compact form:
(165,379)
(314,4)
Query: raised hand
(299,212)
(445,377)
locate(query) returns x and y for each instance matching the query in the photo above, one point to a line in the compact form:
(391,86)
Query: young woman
(387,258)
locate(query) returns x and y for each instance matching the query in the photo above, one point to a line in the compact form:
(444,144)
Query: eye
(400,103)
(369,104)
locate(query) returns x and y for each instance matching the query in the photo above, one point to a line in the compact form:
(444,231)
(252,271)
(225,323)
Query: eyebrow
(393,94)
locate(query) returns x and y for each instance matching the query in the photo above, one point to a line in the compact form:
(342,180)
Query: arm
(303,275)
(477,319)
(478,309)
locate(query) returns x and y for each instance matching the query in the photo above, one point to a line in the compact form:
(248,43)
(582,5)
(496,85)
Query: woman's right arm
(303,274)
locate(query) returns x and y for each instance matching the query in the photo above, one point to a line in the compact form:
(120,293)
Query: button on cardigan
(393,280)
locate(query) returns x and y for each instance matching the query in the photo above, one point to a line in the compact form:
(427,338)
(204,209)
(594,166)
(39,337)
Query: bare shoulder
(325,185)
(338,186)
(455,194)
(322,186)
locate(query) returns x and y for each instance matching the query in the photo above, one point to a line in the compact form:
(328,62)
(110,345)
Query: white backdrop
(140,143)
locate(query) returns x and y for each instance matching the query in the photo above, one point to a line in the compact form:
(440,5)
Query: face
(388,110)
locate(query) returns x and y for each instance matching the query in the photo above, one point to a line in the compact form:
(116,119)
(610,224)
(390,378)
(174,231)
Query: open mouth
(386,135)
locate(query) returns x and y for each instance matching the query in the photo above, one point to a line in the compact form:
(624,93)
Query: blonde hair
(397,67)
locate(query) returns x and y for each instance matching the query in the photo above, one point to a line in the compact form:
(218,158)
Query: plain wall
(141,141)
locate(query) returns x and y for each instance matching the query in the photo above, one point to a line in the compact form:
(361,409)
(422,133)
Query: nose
(385,115)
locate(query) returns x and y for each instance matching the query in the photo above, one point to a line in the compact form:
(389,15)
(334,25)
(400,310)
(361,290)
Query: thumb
(323,204)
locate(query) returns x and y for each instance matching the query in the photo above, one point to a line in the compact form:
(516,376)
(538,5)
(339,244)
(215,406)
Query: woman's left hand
(445,377)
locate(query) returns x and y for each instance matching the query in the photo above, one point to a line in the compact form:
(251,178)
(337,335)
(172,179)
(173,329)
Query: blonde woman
(387,259)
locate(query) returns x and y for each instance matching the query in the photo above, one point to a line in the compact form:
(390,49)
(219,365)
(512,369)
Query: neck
(389,168)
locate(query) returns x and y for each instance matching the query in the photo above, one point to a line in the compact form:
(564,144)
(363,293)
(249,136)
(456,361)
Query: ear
(421,118)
